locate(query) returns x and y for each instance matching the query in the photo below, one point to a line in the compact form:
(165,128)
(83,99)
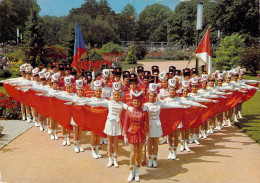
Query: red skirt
(138,137)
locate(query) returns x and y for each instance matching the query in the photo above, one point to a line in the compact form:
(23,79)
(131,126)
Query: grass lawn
(126,66)
(250,123)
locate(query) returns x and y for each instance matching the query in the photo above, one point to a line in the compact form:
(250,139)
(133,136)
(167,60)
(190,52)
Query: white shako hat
(153,88)
(242,71)
(213,76)
(163,76)
(41,75)
(220,76)
(172,83)
(194,81)
(217,71)
(28,69)
(79,84)
(97,84)
(35,71)
(105,73)
(229,74)
(185,84)
(22,68)
(55,78)
(47,75)
(117,87)
(204,77)
(44,70)
(67,81)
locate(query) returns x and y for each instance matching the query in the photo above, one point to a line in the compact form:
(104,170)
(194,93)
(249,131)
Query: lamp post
(199,26)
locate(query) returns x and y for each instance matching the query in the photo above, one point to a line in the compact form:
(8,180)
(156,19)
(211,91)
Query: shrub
(250,59)
(141,51)
(112,48)
(15,67)
(9,107)
(229,53)
(16,55)
(5,74)
(131,55)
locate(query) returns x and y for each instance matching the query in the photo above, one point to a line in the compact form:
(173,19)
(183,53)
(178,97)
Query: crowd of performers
(138,106)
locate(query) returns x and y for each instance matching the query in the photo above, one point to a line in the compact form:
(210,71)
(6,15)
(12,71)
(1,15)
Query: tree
(250,59)
(151,20)
(229,53)
(33,37)
(131,55)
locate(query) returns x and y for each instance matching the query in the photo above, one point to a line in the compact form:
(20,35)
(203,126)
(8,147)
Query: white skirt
(155,130)
(72,122)
(113,128)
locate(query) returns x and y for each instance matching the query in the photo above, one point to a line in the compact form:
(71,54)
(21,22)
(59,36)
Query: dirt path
(226,156)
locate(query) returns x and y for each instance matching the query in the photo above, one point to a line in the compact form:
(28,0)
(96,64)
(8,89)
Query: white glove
(203,106)
(130,109)
(68,103)
(93,75)
(126,140)
(145,109)
(187,106)
(215,101)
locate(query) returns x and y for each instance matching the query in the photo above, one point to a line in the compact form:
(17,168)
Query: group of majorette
(142,95)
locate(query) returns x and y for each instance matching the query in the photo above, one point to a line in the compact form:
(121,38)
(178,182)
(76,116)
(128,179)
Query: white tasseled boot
(229,122)
(52,135)
(182,146)
(235,118)
(55,135)
(150,161)
(240,114)
(94,154)
(137,166)
(186,145)
(131,173)
(24,117)
(203,133)
(196,139)
(174,152)
(110,161)
(36,123)
(115,161)
(41,126)
(97,152)
(29,119)
(155,165)
(79,146)
(64,140)
(76,148)
(68,140)
(104,141)
(191,138)
(164,140)
(170,152)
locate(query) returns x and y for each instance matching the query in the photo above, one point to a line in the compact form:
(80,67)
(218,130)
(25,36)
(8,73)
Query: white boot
(79,147)
(41,127)
(68,140)
(137,179)
(174,152)
(55,135)
(110,161)
(76,148)
(186,145)
(29,119)
(52,135)
(211,129)
(131,174)
(150,161)
(155,165)
(229,122)
(97,152)
(196,139)
(224,122)
(64,140)
(94,155)
(115,161)
(203,133)
(104,141)
(235,118)
(191,138)
(240,114)
(170,152)
(24,117)
(182,146)
(49,131)
(164,140)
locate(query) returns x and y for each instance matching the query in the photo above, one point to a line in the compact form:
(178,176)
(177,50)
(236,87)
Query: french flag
(203,51)
(79,50)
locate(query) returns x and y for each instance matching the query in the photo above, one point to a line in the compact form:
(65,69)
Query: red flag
(204,52)
(79,50)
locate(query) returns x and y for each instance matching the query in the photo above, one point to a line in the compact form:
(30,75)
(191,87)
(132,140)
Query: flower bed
(9,108)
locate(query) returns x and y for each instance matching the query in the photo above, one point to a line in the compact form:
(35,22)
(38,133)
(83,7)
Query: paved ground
(226,156)
(10,133)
